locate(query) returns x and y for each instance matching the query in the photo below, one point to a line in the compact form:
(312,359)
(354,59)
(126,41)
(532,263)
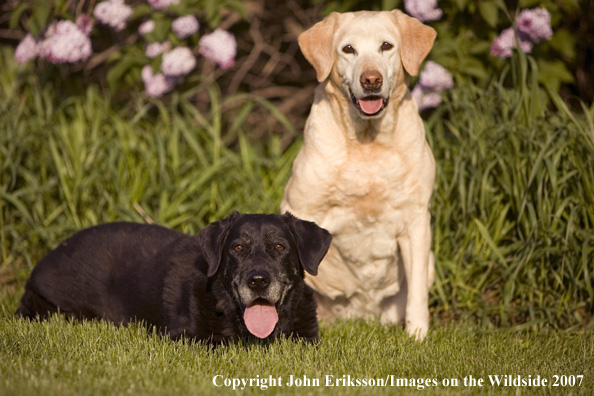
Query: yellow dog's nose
(371,80)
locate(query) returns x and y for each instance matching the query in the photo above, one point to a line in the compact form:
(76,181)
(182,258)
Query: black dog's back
(95,273)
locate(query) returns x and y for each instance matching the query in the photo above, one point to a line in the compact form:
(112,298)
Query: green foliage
(514,207)
(68,164)
(122,54)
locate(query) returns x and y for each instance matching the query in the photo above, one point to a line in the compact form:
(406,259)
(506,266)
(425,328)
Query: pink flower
(423,10)
(178,62)
(220,47)
(417,94)
(435,77)
(430,101)
(65,42)
(26,50)
(155,49)
(162,4)
(113,13)
(84,24)
(146,27)
(156,85)
(533,26)
(185,26)
(536,24)
(502,45)
(424,100)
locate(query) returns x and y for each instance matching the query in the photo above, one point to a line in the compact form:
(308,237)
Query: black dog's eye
(279,247)
(348,49)
(386,46)
(238,248)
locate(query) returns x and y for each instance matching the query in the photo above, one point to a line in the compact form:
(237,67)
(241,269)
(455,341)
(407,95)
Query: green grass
(56,357)
(513,218)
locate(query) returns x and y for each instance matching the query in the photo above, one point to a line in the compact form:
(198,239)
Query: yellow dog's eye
(348,49)
(386,46)
(238,248)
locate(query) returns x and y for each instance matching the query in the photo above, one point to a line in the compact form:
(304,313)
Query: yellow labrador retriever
(366,172)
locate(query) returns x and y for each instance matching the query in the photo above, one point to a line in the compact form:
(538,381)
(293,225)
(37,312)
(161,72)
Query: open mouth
(370,105)
(260,317)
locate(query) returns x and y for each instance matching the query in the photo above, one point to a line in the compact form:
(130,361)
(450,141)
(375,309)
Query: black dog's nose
(258,280)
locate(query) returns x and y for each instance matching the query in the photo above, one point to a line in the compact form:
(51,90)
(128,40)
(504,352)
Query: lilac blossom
(502,45)
(536,24)
(156,85)
(27,49)
(178,62)
(146,27)
(433,79)
(220,47)
(428,100)
(84,24)
(113,13)
(162,4)
(423,10)
(533,26)
(155,49)
(65,42)
(185,26)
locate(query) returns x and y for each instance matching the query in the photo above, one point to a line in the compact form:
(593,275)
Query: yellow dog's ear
(417,40)
(316,45)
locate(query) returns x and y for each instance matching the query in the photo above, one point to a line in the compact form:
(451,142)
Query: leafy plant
(121,35)
(513,206)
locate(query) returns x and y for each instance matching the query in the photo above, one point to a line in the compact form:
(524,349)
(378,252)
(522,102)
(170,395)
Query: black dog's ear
(212,239)
(312,242)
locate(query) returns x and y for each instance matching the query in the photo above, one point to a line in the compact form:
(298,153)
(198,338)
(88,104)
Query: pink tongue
(371,106)
(260,319)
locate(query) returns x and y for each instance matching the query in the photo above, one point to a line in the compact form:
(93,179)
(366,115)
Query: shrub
(135,42)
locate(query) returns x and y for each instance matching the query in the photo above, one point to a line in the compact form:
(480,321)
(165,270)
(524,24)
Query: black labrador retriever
(238,278)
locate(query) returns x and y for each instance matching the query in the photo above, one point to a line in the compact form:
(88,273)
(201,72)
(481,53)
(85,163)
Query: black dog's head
(260,261)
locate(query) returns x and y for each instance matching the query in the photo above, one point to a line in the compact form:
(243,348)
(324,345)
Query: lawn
(353,357)
(513,212)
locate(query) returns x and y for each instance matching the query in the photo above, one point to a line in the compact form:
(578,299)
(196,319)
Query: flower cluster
(433,79)
(532,27)
(155,49)
(85,24)
(185,26)
(220,47)
(176,64)
(146,27)
(113,13)
(62,42)
(162,4)
(156,84)
(27,49)
(66,41)
(536,24)
(423,10)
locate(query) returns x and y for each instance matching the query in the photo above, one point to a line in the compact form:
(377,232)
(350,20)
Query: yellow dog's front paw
(418,330)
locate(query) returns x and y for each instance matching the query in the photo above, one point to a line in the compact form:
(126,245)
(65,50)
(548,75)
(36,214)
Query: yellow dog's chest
(368,190)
